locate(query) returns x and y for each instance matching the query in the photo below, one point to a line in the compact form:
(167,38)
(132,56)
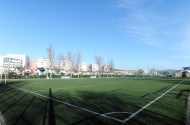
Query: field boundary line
(78,87)
(78,107)
(2,122)
(117,113)
(137,112)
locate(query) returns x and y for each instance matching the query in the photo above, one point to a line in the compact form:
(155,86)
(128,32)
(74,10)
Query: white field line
(118,113)
(105,114)
(134,114)
(78,87)
(96,113)
(2,122)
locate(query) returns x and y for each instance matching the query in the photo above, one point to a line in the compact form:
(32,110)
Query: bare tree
(111,65)
(99,60)
(78,60)
(50,53)
(60,58)
(74,64)
(26,69)
(57,70)
(21,69)
(153,71)
(140,71)
(71,59)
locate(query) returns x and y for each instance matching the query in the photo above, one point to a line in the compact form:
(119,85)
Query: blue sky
(135,33)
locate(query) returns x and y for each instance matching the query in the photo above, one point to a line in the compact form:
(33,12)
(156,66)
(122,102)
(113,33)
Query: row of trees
(100,61)
(75,59)
(141,71)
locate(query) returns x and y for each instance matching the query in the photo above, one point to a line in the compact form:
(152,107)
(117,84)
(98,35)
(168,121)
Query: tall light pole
(46,68)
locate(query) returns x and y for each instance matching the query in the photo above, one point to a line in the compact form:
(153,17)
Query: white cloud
(152,26)
(139,23)
(129,4)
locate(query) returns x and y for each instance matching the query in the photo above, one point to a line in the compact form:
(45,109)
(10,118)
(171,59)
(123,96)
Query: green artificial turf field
(104,101)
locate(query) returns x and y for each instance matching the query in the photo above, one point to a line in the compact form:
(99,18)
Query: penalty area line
(137,112)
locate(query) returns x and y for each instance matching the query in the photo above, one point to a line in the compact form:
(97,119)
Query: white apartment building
(106,68)
(82,67)
(94,68)
(11,61)
(65,65)
(42,62)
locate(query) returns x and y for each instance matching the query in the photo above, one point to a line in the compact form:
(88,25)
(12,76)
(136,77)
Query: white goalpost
(3,71)
(0,76)
(5,78)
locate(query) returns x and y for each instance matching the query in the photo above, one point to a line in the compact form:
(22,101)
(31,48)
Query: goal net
(3,71)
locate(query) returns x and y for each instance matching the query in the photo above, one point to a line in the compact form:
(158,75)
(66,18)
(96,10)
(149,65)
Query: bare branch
(99,60)
(140,71)
(71,60)
(60,57)
(74,62)
(69,56)
(50,57)
(78,60)
(111,64)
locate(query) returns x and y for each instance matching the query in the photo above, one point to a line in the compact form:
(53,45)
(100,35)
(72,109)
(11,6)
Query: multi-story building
(82,67)
(65,65)
(106,68)
(94,68)
(40,63)
(186,72)
(12,61)
(186,68)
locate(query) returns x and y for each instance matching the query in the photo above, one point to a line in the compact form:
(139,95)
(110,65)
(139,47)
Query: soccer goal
(0,76)
(3,71)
